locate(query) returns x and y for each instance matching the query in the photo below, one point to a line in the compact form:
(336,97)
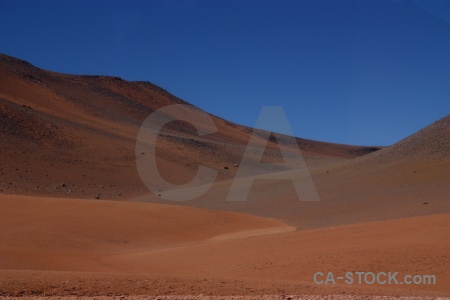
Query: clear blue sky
(357,72)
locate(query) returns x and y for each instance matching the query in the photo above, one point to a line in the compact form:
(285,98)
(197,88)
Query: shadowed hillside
(74,136)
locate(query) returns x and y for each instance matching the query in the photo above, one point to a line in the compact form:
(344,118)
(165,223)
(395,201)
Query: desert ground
(77,221)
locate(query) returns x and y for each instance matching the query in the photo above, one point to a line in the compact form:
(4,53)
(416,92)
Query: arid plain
(76,219)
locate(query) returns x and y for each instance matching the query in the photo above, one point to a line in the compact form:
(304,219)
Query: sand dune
(70,234)
(295,257)
(64,247)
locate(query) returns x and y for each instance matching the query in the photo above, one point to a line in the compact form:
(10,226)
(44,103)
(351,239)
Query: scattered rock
(63,184)
(236,165)
(97,196)
(226,168)
(425,202)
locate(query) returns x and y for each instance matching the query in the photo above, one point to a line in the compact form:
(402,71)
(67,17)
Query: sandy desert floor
(54,247)
(201,297)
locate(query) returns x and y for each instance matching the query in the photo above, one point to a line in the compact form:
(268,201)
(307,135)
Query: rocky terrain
(77,221)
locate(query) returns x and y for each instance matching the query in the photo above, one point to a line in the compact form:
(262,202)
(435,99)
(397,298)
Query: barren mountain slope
(409,178)
(81,131)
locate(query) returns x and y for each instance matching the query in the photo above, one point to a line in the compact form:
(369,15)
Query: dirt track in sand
(64,247)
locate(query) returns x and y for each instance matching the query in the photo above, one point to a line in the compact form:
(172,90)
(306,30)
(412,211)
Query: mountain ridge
(80,111)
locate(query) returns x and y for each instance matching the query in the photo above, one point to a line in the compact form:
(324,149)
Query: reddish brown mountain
(81,131)
(65,136)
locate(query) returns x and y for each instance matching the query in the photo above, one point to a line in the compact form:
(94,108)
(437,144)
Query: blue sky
(354,72)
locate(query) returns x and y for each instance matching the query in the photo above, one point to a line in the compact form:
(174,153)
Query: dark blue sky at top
(356,72)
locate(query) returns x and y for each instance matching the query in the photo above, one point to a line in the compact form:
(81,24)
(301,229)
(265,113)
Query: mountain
(68,139)
(74,136)
(408,178)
